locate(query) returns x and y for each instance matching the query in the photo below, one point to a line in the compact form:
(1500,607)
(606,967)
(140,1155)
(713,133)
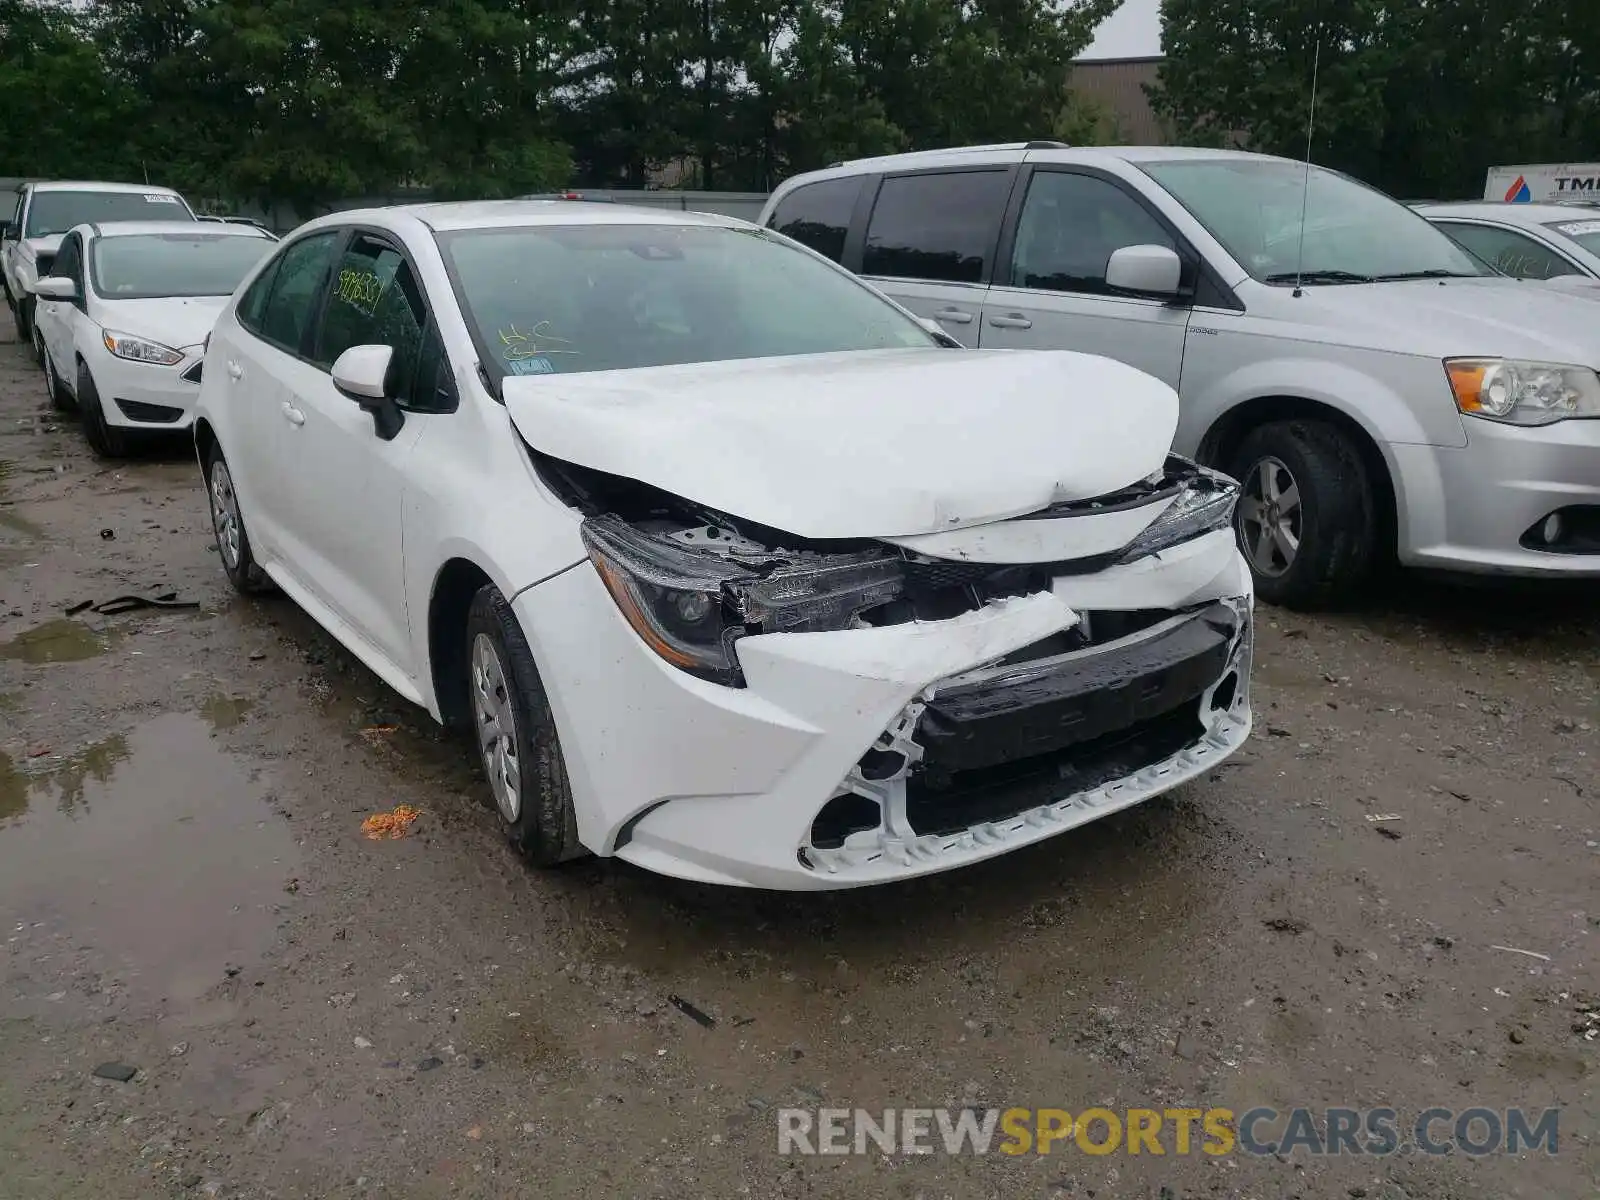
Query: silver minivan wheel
(1269,517)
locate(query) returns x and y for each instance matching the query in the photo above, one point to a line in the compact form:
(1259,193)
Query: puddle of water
(153,855)
(225,712)
(61,640)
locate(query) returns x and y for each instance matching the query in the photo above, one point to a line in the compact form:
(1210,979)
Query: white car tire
(516,735)
(227,524)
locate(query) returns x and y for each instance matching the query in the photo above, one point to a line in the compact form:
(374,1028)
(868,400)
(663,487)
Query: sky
(1133,31)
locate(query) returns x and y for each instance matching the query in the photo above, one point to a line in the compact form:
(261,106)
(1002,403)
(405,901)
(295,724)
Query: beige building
(1118,84)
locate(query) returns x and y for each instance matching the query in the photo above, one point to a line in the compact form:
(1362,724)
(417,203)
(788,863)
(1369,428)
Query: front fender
(1407,404)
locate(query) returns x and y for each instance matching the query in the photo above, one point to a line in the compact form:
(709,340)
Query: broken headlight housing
(690,607)
(1205,505)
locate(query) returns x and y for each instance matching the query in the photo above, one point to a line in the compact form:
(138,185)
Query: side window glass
(434,388)
(69,262)
(296,288)
(254,302)
(1516,254)
(1069,228)
(938,226)
(818,215)
(373,299)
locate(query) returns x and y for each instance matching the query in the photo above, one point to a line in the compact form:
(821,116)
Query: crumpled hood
(1489,317)
(869,444)
(176,321)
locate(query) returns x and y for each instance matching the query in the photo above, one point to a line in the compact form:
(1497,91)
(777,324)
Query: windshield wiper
(1330,276)
(1431,273)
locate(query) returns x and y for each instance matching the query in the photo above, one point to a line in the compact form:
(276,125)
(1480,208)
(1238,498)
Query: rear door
(930,241)
(1050,290)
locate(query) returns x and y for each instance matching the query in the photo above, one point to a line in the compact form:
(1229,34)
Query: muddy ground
(186,890)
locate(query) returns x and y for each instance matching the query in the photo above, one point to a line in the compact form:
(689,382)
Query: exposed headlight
(690,607)
(1523,393)
(139,350)
(1203,506)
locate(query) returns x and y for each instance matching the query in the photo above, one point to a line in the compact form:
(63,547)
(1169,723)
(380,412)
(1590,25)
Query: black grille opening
(156,414)
(842,816)
(997,793)
(1577,530)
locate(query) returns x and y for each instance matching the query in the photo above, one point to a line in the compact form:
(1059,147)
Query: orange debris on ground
(394,824)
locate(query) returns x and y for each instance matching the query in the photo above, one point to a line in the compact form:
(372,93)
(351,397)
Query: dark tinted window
(434,388)
(69,262)
(818,215)
(1517,254)
(936,226)
(296,288)
(254,300)
(374,300)
(1069,227)
(57,212)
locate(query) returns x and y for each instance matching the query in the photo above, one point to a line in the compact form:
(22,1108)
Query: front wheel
(106,440)
(516,734)
(1307,518)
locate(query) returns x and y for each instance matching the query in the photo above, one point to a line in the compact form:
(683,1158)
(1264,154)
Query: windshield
(567,298)
(57,212)
(1353,234)
(1585,233)
(144,265)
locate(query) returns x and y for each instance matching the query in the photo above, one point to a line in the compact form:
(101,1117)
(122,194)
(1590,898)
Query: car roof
(489,214)
(87,185)
(1519,214)
(107,229)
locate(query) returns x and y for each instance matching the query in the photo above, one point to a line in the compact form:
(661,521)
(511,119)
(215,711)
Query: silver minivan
(1380,392)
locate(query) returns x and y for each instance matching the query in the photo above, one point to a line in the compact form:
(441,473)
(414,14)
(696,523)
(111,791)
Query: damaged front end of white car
(1027,697)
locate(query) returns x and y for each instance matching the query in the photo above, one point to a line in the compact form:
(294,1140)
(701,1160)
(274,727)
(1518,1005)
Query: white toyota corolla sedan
(122,318)
(735,569)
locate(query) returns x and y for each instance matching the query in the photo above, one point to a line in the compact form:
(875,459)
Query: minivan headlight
(1516,392)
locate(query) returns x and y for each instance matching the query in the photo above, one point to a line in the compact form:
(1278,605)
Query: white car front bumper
(726,785)
(136,395)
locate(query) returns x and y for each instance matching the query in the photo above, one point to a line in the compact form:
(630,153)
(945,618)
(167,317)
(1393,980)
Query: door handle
(953,316)
(235,371)
(295,416)
(1011,321)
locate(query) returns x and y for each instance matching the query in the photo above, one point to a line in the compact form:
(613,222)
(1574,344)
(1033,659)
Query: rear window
(141,266)
(57,212)
(818,214)
(549,299)
(936,225)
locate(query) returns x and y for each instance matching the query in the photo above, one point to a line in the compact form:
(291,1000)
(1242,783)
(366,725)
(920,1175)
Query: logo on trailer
(1518,192)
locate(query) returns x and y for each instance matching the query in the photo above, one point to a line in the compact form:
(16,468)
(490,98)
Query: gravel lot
(186,890)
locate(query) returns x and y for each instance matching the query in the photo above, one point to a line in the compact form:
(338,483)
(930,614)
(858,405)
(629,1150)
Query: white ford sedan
(735,570)
(122,318)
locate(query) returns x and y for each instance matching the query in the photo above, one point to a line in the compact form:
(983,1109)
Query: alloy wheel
(1270,517)
(497,728)
(225,514)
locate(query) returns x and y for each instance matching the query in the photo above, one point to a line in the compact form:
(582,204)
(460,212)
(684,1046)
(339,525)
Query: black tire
(1339,535)
(60,398)
(107,441)
(544,825)
(238,561)
(22,315)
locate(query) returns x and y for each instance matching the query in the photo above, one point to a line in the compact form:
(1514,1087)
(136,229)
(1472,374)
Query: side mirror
(362,373)
(56,287)
(8,231)
(1147,270)
(931,325)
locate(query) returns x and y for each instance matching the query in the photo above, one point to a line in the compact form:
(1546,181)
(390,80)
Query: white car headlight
(1206,504)
(1523,393)
(140,350)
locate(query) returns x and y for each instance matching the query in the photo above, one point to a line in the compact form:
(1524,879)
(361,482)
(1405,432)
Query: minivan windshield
(52,212)
(140,266)
(1353,234)
(559,299)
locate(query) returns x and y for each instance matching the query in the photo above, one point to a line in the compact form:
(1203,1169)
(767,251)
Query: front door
(1051,292)
(345,523)
(55,319)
